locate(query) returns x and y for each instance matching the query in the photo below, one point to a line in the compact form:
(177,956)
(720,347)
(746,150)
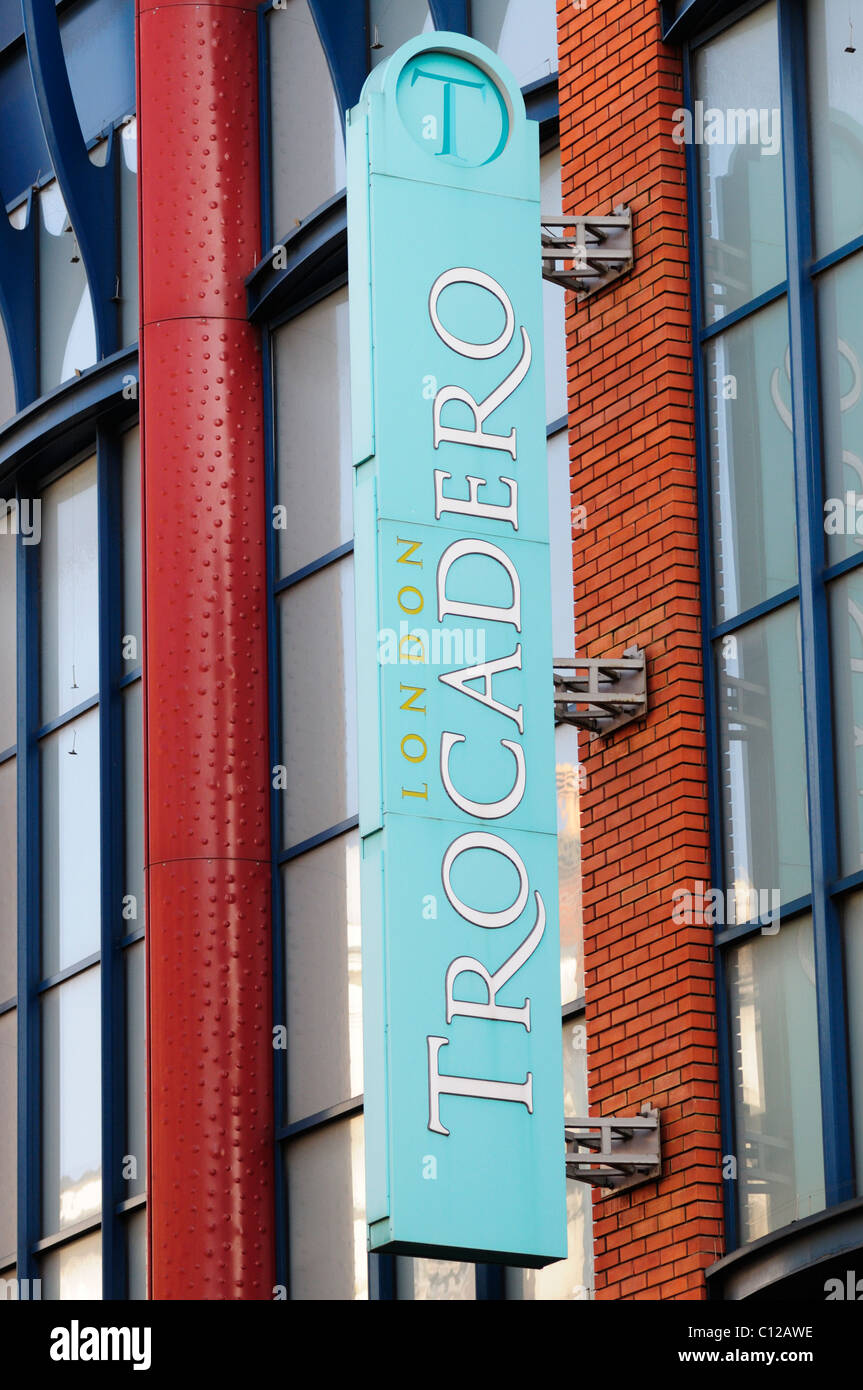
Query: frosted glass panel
(8,639)
(74,1271)
(67,329)
(393,22)
(846,639)
(70,844)
(132,572)
(129,232)
(70,591)
(777,1092)
(763,764)
(742,191)
(71,1102)
(133,791)
(136,1114)
(319,714)
(136,1255)
(324,982)
(560,536)
(852,927)
(313,433)
(8,1134)
(307,141)
(8,880)
(835,121)
(553,300)
(326,1214)
(751,462)
(839,299)
(436,1280)
(522,32)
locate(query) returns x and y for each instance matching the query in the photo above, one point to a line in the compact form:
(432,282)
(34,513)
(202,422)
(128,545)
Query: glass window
(839,298)
(836,122)
(69,591)
(393,22)
(852,927)
(777,1090)
(132,564)
(9,522)
(571,1278)
(8,1135)
(313,433)
(740,162)
(7,379)
(73,1271)
(569,863)
(133,887)
(326,1213)
(324,983)
(553,299)
(71,848)
(67,328)
(136,1110)
(307,140)
(763,767)
(71,1102)
(8,880)
(128,137)
(522,32)
(560,537)
(439,1280)
(846,630)
(751,462)
(136,1255)
(319,713)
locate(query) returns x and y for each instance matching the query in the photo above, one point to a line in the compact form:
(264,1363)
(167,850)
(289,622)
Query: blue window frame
(806,597)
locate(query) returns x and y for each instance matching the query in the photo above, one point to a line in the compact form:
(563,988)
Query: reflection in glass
(777,1090)
(8,639)
(751,462)
(742,196)
(70,843)
(69,591)
(132,626)
(324,982)
(436,1280)
(67,329)
(313,433)
(133,791)
(8,880)
(136,1255)
(763,765)
(136,1113)
(392,23)
(553,299)
(852,929)
(8,1134)
(326,1213)
(319,728)
(307,141)
(128,137)
(73,1271)
(71,1102)
(572,1278)
(839,299)
(522,32)
(835,123)
(846,640)
(569,864)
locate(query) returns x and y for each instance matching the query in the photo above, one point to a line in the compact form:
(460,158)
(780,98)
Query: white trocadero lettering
(462,498)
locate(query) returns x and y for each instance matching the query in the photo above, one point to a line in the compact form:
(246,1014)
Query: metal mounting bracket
(615,1152)
(587,253)
(601,694)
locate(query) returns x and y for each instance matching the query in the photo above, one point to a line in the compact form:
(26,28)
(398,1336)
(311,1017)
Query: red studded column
(211,1167)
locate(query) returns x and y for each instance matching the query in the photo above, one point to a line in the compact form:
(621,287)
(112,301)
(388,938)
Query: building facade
(181,1062)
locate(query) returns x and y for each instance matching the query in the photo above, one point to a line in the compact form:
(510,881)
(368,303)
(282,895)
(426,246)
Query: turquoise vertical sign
(461,982)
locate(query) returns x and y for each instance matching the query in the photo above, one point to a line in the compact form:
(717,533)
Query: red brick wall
(649,983)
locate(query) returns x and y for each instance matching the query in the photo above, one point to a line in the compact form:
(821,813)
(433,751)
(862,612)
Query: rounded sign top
(453,109)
